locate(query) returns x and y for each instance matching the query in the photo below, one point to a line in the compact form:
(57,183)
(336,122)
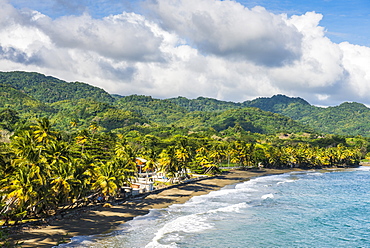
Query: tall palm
(183,157)
(82,139)
(203,158)
(105,181)
(19,192)
(6,156)
(43,131)
(218,152)
(24,146)
(64,183)
(168,162)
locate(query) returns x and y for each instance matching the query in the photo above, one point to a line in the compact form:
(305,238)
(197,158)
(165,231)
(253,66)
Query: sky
(229,50)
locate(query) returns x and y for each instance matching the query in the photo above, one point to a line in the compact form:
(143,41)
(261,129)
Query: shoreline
(101,219)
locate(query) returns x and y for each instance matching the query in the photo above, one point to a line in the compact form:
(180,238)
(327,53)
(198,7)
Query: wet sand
(103,220)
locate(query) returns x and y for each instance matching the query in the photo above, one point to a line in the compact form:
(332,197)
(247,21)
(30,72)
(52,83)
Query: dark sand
(102,220)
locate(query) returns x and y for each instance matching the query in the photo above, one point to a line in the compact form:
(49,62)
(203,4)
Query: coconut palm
(64,184)
(19,192)
(203,158)
(42,131)
(106,179)
(168,162)
(183,158)
(217,153)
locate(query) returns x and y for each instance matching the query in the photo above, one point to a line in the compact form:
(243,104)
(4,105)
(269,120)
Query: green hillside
(204,104)
(251,120)
(162,112)
(21,102)
(32,94)
(345,119)
(84,112)
(275,103)
(50,89)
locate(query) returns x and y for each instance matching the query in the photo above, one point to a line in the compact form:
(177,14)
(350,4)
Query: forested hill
(345,119)
(30,94)
(50,89)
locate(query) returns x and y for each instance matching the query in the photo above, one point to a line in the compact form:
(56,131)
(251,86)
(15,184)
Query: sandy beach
(103,220)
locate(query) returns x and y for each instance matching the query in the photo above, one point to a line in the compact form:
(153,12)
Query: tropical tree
(106,179)
(42,131)
(218,152)
(203,158)
(168,162)
(20,193)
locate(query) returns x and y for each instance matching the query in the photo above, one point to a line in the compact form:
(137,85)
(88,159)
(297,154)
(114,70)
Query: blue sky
(229,50)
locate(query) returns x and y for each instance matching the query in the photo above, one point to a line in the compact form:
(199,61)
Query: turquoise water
(306,209)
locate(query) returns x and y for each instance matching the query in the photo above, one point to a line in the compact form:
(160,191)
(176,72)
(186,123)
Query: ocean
(298,209)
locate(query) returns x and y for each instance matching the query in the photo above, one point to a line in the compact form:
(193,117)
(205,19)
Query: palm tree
(105,181)
(6,156)
(168,162)
(57,152)
(19,192)
(64,183)
(25,147)
(202,158)
(82,138)
(183,158)
(218,153)
(43,131)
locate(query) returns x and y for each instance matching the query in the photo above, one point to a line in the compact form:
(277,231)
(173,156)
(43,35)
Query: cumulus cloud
(226,28)
(85,47)
(191,48)
(320,69)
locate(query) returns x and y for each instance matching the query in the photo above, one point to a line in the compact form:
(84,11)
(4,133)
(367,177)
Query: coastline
(104,220)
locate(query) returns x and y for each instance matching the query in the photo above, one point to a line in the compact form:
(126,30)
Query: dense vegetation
(44,171)
(345,119)
(50,89)
(62,144)
(35,95)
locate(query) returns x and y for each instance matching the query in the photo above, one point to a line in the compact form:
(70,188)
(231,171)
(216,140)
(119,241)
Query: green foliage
(247,119)
(33,95)
(275,103)
(50,89)
(345,119)
(158,111)
(21,102)
(8,119)
(203,104)
(44,171)
(70,141)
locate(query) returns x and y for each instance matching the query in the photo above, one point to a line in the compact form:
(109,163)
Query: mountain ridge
(348,118)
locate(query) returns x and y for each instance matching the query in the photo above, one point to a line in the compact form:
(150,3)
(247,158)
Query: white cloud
(227,29)
(77,47)
(356,60)
(320,68)
(121,37)
(191,48)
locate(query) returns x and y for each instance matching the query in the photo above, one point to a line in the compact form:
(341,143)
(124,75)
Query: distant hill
(50,89)
(253,120)
(159,111)
(345,119)
(204,113)
(275,103)
(33,95)
(204,104)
